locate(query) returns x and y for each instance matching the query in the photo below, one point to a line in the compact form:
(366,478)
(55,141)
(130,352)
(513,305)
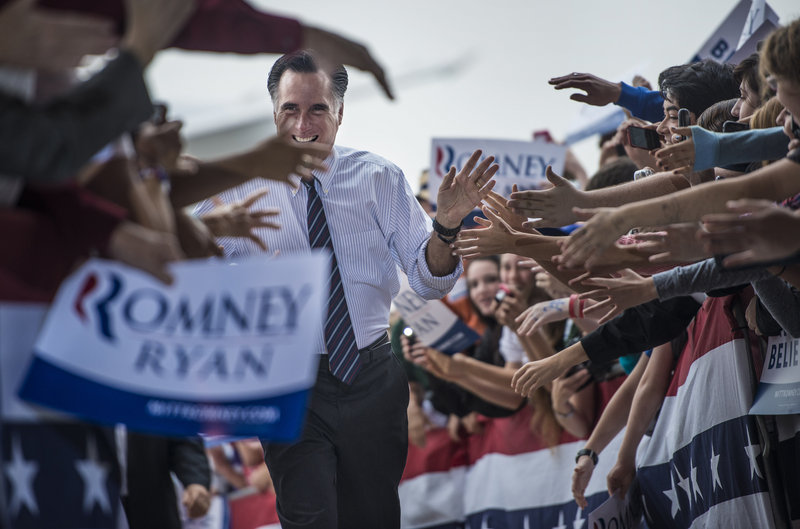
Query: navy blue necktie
(340,340)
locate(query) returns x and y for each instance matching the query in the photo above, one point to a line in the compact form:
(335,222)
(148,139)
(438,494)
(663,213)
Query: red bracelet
(572,299)
(581,304)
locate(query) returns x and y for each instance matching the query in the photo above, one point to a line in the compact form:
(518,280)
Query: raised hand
(236,220)
(553,206)
(755,231)
(599,92)
(617,294)
(460,193)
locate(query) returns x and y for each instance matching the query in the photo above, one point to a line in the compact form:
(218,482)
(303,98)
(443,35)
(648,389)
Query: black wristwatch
(587,452)
(447,235)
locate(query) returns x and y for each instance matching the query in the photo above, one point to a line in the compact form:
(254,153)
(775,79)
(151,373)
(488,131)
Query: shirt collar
(325,178)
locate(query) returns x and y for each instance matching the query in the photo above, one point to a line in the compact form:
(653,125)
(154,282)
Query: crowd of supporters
(636,334)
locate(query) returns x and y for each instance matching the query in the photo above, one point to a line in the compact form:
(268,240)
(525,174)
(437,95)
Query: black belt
(380,346)
(375,348)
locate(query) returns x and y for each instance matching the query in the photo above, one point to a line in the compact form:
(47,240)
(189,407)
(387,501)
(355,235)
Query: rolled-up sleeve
(410,233)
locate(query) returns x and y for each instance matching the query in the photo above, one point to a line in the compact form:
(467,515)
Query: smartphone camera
(408,332)
(501,294)
(733,126)
(642,138)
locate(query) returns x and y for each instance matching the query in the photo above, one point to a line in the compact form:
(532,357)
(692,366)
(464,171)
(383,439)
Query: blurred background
(459,69)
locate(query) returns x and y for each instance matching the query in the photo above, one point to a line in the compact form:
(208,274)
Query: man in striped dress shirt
(345,468)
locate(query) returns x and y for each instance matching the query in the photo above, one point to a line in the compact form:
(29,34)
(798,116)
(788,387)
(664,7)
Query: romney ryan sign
(228,348)
(520,162)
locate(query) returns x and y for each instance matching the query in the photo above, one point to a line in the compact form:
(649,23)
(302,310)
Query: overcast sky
(459,68)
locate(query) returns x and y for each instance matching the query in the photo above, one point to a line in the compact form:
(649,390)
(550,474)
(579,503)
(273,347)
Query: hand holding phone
(408,332)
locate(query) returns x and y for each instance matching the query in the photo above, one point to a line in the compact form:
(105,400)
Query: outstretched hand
(754,231)
(536,316)
(333,49)
(676,243)
(617,294)
(277,159)
(553,206)
(535,375)
(599,92)
(499,203)
(236,220)
(585,247)
(497,237)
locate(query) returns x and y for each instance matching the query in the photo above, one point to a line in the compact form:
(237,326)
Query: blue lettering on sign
(259,311)
(425,323)
(520,165)
(719,49)
(203,362)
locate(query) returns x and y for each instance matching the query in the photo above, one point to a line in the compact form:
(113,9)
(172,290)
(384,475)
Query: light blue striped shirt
(376,225)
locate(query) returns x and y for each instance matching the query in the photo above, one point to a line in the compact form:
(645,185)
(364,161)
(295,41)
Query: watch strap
(587,452)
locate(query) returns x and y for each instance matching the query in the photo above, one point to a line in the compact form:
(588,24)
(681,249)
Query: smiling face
(483,280)
(306,109)
(671,108)
(511,273)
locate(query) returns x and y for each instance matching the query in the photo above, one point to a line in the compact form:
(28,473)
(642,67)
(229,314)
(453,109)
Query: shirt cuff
(706,148)
(437,286)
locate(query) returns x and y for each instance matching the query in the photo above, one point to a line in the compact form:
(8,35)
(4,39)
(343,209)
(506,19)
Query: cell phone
(683,118)
(502,292)
(408,332)
(159,116)
(734,126)
(642,138)
(795,128)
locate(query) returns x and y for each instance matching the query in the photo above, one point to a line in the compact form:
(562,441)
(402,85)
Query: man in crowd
(345,468)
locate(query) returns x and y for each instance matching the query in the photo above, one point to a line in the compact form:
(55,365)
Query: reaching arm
(489,382)
(274,159)
(646,402)
(554,205)
(774,182)
(613,419)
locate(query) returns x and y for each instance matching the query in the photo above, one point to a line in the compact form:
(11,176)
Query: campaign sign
(433,322)
(227,349)
(735,31)
(779,390)
(521,162)
(619,513)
